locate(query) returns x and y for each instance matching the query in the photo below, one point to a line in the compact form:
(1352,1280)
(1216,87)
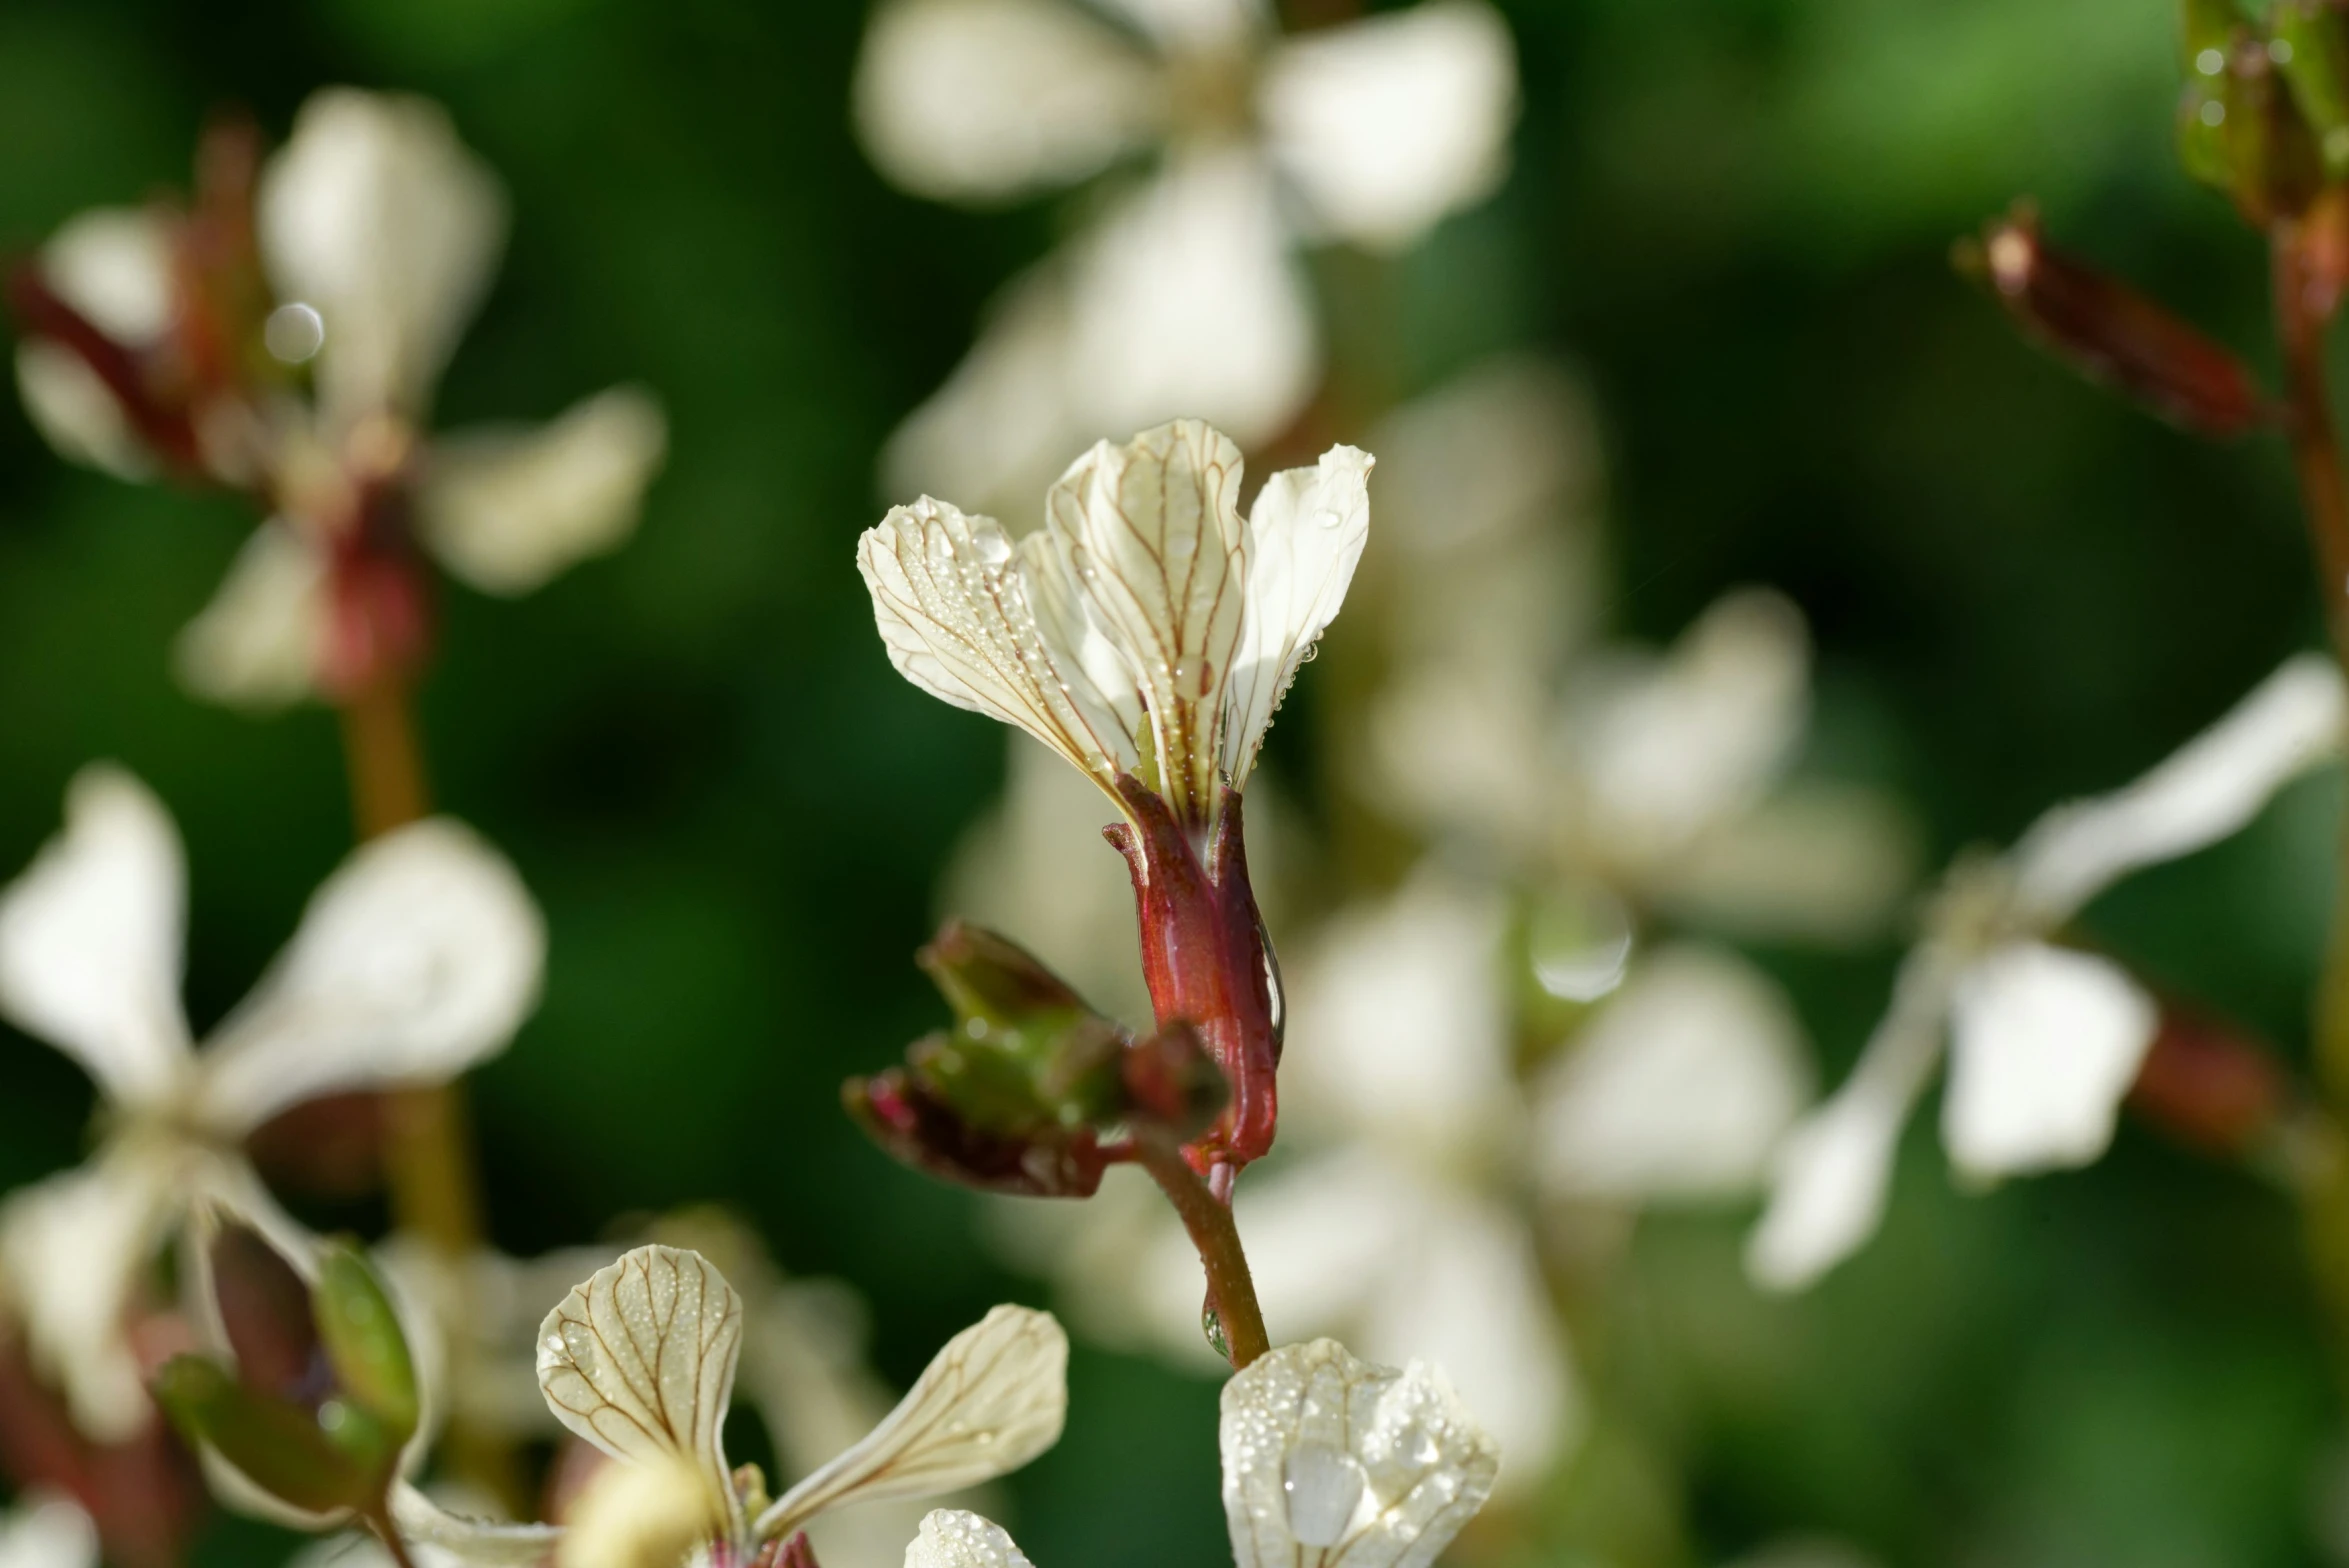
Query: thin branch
(1230,1289)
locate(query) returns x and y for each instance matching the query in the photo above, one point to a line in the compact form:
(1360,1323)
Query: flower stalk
(1231,1289)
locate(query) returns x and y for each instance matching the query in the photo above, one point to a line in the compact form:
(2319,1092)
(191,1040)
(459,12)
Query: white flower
(378,232)
(1146,619)
(639,1360)
(48,1532)
(2044,1040)
(1185,298)
(415,960)
(1326,1460)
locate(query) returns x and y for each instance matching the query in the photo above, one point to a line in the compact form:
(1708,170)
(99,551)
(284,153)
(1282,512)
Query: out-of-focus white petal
(951,1538)
(113,265)
(481,1543)
(1325,1235)
(1467,1294)
(1000,430)
(73,1250)
(958,608)
(1185,304)
(1670,751)
(257,644)
(1681,1087)
(1817,860)
(648,1515)
(639,1360)
(1457,746)
(1400,1021)
(90,939)
(2044,1043)
(415,960)
(1330,1459)
(1305,534)
(377,216)
(2211,787)
(1832,1173)
(983,100)
(76,412)
(48,1531)
(1388,124)
(507,509)
(1150,536)
(994,1398)
(1195,26)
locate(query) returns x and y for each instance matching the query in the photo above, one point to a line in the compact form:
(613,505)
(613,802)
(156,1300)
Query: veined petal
(2211,787)
(994,1398)
(1669,751)
(984,100)
(952,1538)
(1186,304)
(1304,537)
(2044,1043)
(1150,533)
(1833,1172)
(956,606)
(1388,124)
(73,1250)
(51,1531)
(415,960)
(379,218)
(507,509)
(1680,1088)
(258,643)
(639,1360)
(90,939)
(1329,1459)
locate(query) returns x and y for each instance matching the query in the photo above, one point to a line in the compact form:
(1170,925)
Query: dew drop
(1192,677)
(1330,517)
(1421,1449)
(293,333)
(1211,1324)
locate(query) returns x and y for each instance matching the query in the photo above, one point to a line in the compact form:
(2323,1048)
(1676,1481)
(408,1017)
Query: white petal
(1457,745)
(48,1532)
(1305,535)
(1833,1172)
(1680,1088)
(76,412)
(258,643)
(1151,537)
(376,215)
(1669,751)
(2044,1043)
(480,1542)
(951,1538)
(980,100)
(1465,1291)
(90,939)
(1327,1458)
(1817,860)
(507,509)
(2213,786)
(1196,26)
(415,960)
(113,265)
(957,607)
(648,1515)
(1400,1020)
(639,1359)
(1185,304)
(73,1252)
(1001,428)
(1391,123)
(994,1398)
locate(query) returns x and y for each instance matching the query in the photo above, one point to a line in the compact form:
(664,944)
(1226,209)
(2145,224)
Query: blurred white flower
(1326,1459)
(415,960)
(47,1532)
(377,233)
(2044,1040)
(1184,298)
(639,1360)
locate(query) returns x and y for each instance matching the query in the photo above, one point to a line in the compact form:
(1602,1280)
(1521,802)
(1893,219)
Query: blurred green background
(1733,216)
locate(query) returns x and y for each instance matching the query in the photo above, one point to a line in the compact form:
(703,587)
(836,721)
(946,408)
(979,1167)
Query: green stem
(1230,1288)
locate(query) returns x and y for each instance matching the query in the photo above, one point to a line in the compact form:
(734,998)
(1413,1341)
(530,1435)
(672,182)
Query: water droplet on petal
(1330,517)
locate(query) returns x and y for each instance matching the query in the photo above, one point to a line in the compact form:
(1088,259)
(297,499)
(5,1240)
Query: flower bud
(2212,1087)
(2239,129)
(363,1340)
(1173,1083)
(919,1127)
(2309,43)
(2112,334)
(277,1444)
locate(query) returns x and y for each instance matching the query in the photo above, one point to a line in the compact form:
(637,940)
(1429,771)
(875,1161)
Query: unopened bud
(2241,131)
(990,977)
(918,1127)
(2309,43)
(364,1341)
(2210,1086)
(2112,334)
(278,1445)
(1171,1082)
(264,1307)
